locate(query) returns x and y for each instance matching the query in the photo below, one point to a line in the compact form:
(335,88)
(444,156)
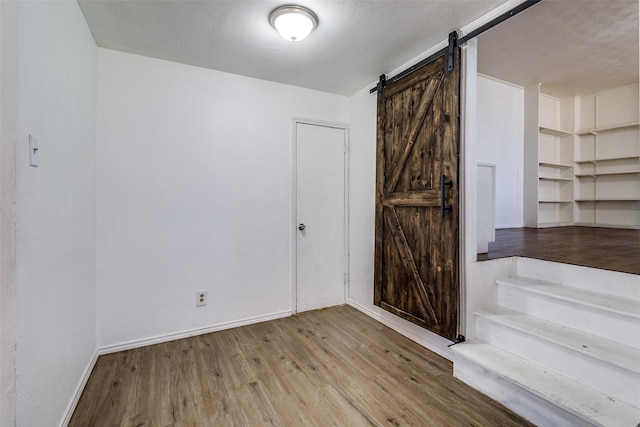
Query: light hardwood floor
(322,368)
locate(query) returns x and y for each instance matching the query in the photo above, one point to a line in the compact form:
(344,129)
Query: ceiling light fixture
(294,23)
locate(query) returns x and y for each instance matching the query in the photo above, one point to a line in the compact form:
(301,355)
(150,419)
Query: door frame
(294,204)
(8,290)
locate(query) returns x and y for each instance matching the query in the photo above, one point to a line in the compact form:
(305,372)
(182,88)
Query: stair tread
(610,303)
(594,346)
(574,397)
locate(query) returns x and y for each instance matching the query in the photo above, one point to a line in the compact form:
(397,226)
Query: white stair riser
(618,382)
(606,324)
(623,285)
(514,397)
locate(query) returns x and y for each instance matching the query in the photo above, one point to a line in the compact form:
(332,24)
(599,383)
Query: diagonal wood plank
(409,140)
(407,257)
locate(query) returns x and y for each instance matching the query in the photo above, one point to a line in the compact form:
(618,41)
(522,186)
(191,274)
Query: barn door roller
(381,83)
(453,43)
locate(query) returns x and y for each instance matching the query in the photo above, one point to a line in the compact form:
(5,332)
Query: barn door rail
(454,41)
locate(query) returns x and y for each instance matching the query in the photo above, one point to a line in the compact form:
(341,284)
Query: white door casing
(320,177)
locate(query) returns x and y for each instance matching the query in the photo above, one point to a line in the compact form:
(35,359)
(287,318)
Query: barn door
(416,253)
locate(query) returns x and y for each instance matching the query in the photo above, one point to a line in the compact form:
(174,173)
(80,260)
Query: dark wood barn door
(416,253)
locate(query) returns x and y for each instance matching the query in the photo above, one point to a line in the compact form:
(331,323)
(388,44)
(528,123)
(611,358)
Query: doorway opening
(558,116)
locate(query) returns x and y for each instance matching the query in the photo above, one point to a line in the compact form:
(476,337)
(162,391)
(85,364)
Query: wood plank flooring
(330,367)
(605,248)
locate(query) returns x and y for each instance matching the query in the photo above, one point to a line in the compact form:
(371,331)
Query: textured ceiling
(571,47)
(574,47)
(355,41)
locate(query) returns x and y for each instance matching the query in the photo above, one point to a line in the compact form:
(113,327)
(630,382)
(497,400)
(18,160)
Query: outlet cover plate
(201,298)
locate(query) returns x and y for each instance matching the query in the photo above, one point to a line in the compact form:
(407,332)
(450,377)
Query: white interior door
(320,215)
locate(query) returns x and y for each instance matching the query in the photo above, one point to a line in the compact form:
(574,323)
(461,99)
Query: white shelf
(596,174)
(554,165)
(552,178)
(608,159)
(617,199)
(609,129)
(553,132)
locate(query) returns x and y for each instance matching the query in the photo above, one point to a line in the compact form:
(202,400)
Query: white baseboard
(501,226)
(190,333)
(429,340)
(79,389)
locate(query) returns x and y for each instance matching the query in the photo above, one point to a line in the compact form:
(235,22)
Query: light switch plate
(34,156)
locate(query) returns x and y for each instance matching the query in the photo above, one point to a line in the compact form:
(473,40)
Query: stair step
(610,317)
(538,394)
(597,300)
(614,283)
(597,362)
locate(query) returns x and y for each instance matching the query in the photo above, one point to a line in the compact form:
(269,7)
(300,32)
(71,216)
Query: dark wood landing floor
(605,248)
(333,367)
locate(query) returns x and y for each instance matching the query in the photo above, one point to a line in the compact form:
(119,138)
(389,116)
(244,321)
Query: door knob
(301,227)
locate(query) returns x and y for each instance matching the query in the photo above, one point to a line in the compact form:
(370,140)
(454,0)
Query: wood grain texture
(331,367)
(406,255)
(416,273)
(606,248)
(426,100)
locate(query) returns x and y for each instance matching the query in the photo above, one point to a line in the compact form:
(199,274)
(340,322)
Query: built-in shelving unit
(607,165)
(549,166)
(582,159)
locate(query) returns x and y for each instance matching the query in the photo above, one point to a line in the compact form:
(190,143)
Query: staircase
(556,348)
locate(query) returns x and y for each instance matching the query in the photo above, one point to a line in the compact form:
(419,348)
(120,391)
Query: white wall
(362,196)
(55,209)
(500,118)
(194,193)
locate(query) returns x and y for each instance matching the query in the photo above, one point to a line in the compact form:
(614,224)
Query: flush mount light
(294,23)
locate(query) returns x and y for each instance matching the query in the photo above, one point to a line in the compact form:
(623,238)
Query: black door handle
(444,183)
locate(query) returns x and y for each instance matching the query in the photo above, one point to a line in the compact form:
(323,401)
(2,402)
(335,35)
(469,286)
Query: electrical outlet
(201,298)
